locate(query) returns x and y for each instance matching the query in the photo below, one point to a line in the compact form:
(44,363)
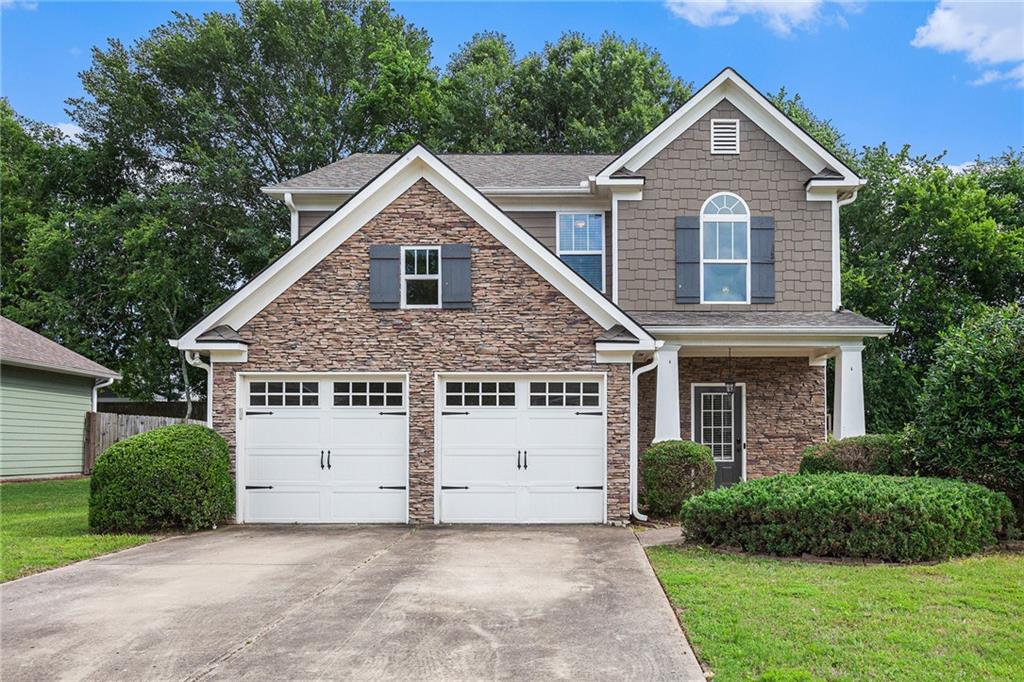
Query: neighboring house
(45,391)
(494,338)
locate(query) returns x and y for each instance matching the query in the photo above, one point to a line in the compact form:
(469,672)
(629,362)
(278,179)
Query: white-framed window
(284,394)
(421,277)
(725,136)
(565,394)
(480,394)
(368,393)
(724,250)
(580,245)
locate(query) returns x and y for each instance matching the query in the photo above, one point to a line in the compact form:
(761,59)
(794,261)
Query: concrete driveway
(353,602)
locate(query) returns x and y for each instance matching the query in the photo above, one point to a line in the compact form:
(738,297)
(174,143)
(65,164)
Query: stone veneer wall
(681,178)
(785,407)
(519,322)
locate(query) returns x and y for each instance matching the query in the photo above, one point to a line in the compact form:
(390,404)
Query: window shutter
(385,277)
(688,259)
(762,259)
(456,287)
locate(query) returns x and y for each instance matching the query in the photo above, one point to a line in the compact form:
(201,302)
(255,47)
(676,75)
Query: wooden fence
(103,429)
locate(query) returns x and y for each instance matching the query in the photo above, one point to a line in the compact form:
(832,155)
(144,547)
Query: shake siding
(42,418)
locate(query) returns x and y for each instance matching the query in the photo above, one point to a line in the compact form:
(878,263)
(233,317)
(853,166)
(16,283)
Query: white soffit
(418,163)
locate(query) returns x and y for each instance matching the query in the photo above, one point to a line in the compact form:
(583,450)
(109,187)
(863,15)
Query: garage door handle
(595,414)
(526,464)
(391,487)
(328,459)
(519,464)
(321,459)
(455,487)
(590,487)
(259,487)
(248,412)
(445,414)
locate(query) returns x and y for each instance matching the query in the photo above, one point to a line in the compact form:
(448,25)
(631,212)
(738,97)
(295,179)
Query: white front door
(522,450)
(325,449)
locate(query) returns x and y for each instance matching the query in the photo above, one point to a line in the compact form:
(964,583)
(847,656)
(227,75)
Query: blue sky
(935,75)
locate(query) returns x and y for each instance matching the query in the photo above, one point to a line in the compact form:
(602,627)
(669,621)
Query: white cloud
(781,16)
(988,33)
(958,168)
(24,4)
(71,131)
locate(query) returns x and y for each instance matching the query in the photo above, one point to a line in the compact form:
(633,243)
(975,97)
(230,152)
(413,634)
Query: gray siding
(42,418)
(678,181)
(310,219)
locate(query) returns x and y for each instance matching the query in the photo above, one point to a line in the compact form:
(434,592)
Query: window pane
(589,267)
(394,387)
(710,240)
(421,292)
(565,242)
(257,400)
(259,387)
(275,387)
(410,262)
(596,232)
(291,386)
(725,282)
(725,240)
(432,262)
(739,235)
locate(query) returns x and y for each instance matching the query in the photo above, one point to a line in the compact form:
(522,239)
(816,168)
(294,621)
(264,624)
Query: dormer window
(724,250)
(581,245)
(725,136)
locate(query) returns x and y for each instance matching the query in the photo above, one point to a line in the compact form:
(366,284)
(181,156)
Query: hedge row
(884,453)
(889,518)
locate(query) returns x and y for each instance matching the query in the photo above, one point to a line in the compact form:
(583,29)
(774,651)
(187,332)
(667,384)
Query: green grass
(762,619)
(45,524)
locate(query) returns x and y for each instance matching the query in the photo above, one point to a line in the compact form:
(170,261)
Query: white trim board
(416,164)
(731,86)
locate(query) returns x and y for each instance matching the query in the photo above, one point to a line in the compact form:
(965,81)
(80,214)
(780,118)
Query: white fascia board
(390,184)
(730,85)
(632,347)
(59,369)
(773,336)
(568,190)
(606,181)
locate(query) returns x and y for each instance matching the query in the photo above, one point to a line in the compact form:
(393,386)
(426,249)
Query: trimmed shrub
(969,421)
(882,453)
(673,472)
(173,477)
(891,518)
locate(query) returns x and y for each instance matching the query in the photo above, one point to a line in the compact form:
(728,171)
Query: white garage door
(522,450)
(325,450)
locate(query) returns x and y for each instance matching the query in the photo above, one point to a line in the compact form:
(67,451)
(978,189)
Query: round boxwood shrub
(969,421)
(891,518)
(173,477)
(882,453)
(673,472)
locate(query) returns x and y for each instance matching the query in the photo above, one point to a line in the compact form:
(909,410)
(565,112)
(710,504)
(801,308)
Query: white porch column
(666,415)
(848,405)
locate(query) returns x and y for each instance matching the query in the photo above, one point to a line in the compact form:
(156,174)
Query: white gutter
(100,383)
(192,358)
(634,461)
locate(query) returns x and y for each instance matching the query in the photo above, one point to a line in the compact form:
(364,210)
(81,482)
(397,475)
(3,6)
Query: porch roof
(842,322)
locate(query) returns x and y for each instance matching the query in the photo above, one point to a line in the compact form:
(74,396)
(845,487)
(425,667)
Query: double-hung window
(421,277)
(581,245)
(725,250)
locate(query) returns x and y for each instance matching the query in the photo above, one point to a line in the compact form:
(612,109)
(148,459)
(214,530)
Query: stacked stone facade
(519,323)
(785,406)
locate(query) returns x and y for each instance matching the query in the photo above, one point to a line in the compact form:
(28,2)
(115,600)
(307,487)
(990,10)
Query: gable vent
(725,136)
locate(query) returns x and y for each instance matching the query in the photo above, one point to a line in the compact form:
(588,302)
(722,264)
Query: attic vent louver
(725,136)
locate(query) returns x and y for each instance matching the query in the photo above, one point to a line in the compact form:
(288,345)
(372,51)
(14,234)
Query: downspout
(294,222)
(634,463)
(192,358)
(100,383)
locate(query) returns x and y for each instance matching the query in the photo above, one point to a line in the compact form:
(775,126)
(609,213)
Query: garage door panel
(559,505)
(365,427)
(283,506)
(563,430)
(482,504)
(478,467)
(369,505)
(381,466)
(292,430)
(480,429)
(584,467)
(283,467)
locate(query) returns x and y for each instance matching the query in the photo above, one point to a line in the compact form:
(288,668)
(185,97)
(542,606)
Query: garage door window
(564,394)
(480,394)
(284,393)
(368,394)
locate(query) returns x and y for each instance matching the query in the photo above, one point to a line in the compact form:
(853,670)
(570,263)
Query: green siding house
(45,391)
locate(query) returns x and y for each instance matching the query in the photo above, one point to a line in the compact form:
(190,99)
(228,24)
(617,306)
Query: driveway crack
(211,666)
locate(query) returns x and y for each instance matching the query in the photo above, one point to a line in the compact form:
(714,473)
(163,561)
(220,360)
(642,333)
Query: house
(45,391)
(494,338)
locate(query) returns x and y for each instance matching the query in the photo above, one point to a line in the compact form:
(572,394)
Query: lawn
(762,619)
(45,524)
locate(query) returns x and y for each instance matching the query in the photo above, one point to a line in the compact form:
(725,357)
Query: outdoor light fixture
(730,380)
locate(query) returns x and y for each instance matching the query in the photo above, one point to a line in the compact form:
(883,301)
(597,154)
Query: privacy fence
(103,429)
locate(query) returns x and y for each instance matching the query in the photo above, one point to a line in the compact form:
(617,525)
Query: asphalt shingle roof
(824,319)
(504,171)
(21,346)
(221,334)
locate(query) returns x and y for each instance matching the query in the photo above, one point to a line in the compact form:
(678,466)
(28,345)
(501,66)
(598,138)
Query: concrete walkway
(352,602)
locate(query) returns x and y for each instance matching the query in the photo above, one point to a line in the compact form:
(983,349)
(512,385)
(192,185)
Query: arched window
(724,250)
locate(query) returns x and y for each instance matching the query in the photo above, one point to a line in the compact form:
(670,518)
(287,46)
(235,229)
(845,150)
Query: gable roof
(731,86)
(483,171)
(418,163)
(24,348)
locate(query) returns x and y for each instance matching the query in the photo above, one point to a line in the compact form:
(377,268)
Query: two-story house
(495,338)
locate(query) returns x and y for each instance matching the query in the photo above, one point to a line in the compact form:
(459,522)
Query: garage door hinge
(445,414)
(259,487)
(257,412)
(397,413)
(590,487)
(391,487)
(455,487)
(596,414)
